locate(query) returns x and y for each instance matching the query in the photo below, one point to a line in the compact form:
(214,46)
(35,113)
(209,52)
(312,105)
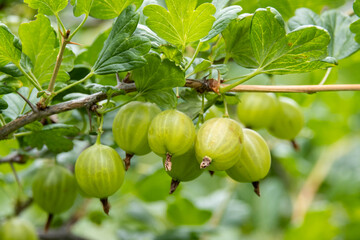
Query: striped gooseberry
(130,128)
(171,133)
(99,172)
(257,110)
(219,143)
(54,189)
(254,162)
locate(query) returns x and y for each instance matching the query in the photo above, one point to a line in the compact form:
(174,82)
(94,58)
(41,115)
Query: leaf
(172,53)
(122,51)
(111,8)
(94,88)
(198,65)
(287,7)
(54,137)
(237,41)
(9,84)
(16,103)
(145,187)
(183,212)
(34,126)
(157,75)
(143,30)
(11,69)
(48,7)
(82,7)
(304,16)
(223,18)
(9,47)
(191,104)
(3,105)
(164,98)
(275,52)
(342,43)
(182,24)
(42,49)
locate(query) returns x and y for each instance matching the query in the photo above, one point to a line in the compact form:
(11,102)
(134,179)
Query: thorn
(211,173)
(205,163)
(32,106)
(168,162)
(75,43)
(127,160)
(295,145)
(173,186)
(256,186)
(106,205)
(48,222)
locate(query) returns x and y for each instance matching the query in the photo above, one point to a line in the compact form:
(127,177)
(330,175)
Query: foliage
(190,56)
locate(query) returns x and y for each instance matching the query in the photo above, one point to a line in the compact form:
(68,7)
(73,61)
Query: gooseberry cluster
(219,144)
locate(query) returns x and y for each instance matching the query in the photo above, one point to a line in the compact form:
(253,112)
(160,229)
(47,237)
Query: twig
(201,86)
(13,158)
(296,88)
(32,106)
(326,76)
(21,206)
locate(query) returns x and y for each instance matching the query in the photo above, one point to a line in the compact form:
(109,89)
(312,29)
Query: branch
(201,86)
(295,88)
(14,158)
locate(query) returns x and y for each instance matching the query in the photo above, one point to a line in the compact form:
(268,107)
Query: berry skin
(130,128)
(171,134)
(99,172)
(289,120)
(255,159)
(184,168)
(17,229)
(54,189)
(257,110)
(219,143)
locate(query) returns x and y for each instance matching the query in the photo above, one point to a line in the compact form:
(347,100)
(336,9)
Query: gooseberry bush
(162,96)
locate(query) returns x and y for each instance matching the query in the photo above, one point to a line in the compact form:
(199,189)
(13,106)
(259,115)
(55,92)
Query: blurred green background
(309,194)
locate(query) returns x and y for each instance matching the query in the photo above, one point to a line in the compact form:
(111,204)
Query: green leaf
(3,105)
(184,212)
(182,24)
(16,103)
(143,30)
(11,69)
(164,98)
(34,126)
(94,88)
(275,52)
(172,53)
(82,7)
(122,51)
(48,7)
(111,8)
(157,75)
(42,49)
(199,65)
(145,186)
(237,41)
(342,42)
(54,137)
(9,47)
(223,18)
(191,104)
(356,7)
(9,84)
